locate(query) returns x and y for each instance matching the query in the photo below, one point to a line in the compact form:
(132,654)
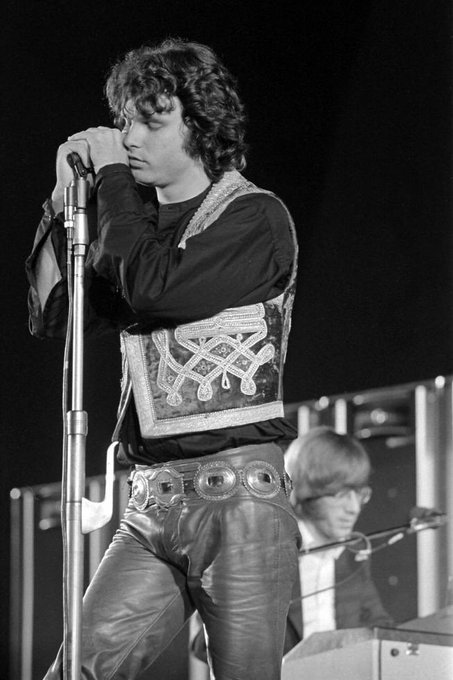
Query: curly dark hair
(211,107)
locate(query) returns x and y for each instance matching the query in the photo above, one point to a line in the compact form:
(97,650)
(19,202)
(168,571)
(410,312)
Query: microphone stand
(76,428)
(79,515)
(431,520)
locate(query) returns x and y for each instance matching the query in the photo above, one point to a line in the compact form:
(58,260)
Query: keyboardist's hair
(323,462)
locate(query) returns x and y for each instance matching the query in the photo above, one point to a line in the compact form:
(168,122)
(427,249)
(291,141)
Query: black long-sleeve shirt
(136,273)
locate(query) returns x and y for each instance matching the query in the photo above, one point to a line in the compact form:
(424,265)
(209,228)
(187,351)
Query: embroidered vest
(218,372)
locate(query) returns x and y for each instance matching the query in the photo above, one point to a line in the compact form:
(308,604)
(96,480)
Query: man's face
(155,147)
(334,517)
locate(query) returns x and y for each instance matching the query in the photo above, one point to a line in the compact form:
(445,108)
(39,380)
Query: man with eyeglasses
(330,474)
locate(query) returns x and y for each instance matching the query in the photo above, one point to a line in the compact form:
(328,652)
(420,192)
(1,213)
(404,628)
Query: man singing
(199,282)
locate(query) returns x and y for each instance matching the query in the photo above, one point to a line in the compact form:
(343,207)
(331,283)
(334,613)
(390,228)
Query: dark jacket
(357,602)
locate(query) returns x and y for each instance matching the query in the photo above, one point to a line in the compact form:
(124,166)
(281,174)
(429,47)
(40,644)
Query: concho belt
(217,480)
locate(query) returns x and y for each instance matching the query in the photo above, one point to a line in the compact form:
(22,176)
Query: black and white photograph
(227,340)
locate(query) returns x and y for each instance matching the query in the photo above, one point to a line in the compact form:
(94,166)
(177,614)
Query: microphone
(420,518)
(78,168)
(420,512)
(76,197)
(426,518)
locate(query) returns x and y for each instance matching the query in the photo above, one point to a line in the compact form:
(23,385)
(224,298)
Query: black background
(350,123)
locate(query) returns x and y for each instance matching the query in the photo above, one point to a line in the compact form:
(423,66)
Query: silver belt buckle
(216,481)
(164,487)
(261,479)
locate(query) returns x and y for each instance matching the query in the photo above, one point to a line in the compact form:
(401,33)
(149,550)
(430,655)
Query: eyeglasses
(363,494)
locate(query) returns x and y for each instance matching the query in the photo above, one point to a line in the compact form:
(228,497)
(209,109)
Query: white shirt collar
(308,542)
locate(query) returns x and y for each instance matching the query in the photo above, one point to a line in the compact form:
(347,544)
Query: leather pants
(234,560)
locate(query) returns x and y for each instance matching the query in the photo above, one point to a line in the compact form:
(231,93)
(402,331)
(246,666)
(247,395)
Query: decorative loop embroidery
(217,349)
